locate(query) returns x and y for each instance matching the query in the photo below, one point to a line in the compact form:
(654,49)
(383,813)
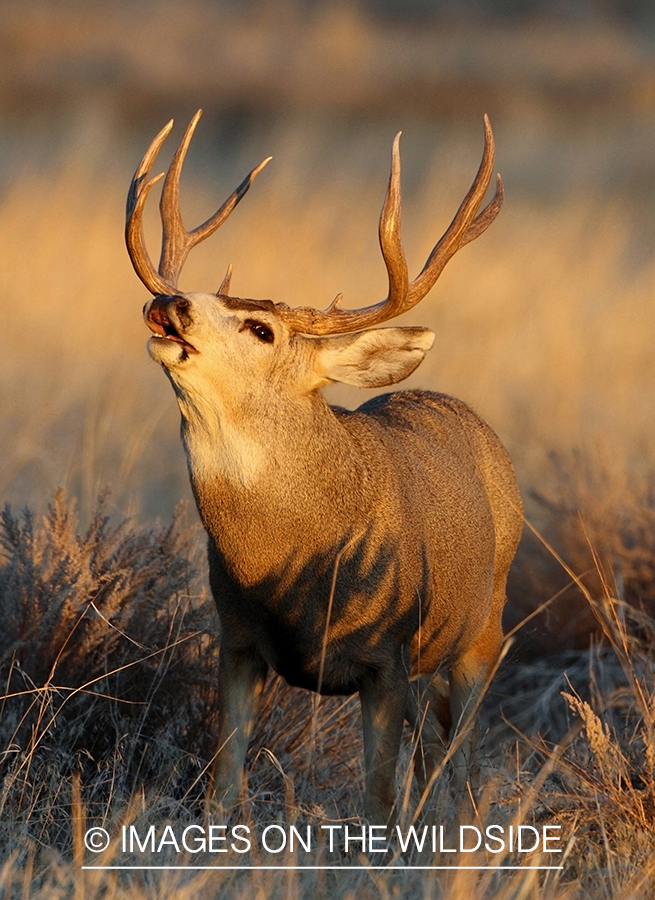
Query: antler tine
(465,227)
(136,198)
(225,283)
(177,241)
(335,320)
(484,219)
(389,235)
(175,244)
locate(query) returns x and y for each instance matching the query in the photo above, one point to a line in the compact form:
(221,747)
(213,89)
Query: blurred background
(545,325)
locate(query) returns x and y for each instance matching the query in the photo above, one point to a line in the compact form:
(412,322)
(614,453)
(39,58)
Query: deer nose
(155,310)
(164,305)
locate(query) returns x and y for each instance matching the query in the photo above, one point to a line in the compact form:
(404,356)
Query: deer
(350,551)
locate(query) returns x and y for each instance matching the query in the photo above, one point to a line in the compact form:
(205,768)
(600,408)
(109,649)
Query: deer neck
(222,445)
(268,484)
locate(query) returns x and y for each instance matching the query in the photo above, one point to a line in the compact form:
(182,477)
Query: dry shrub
(104,657)
(602,787)
(592,529)
(587,707)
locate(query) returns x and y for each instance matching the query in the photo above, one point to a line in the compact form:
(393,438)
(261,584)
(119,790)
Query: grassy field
(544,325)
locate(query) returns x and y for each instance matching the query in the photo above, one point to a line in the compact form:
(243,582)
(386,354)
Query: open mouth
(163,328)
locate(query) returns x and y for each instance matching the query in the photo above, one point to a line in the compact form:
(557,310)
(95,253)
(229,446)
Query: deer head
(209,340)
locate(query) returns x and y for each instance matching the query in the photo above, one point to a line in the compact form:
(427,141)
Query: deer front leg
(383,697)
(241,676)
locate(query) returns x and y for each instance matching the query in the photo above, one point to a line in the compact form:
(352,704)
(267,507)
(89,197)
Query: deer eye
(261,331)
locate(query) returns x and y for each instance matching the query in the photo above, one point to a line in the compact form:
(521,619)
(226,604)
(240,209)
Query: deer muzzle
(167,316)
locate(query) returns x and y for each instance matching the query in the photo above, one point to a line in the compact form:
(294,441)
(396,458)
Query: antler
(467,225)
(177,242)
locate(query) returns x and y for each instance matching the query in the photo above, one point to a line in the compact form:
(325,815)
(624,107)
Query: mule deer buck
(349,551)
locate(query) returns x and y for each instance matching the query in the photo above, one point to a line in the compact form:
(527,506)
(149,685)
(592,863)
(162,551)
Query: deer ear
(373,358)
